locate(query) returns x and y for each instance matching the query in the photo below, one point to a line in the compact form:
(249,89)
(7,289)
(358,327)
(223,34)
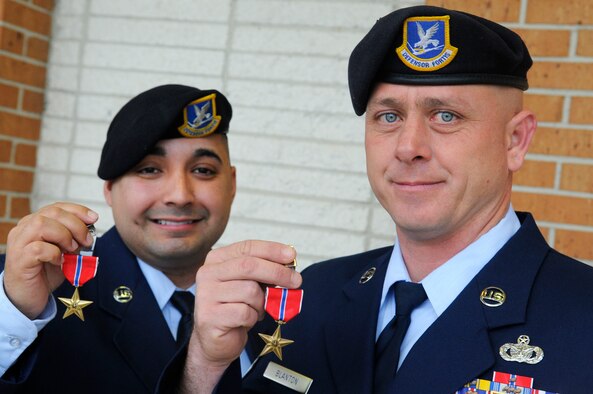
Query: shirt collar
(445,283)
(162,287)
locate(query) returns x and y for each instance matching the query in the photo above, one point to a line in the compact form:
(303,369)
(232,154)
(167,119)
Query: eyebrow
(198,153)
(426,102)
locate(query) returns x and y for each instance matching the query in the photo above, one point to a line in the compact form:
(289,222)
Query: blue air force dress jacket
(119,348)
(549,297)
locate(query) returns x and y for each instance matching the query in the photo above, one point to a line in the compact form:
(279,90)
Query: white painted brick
(290,96)
(62,77)
(85,188)
(64,52)
(289,68)
(101,108)
(59,104)
(190,10)
(56,131)
(84,161)
(48,185)
(311,241)
(155,32)
(319,213)
(303,41)
(376,243)
(313,126)
(381,222)
(298,153)
(154,58)
(131,83)
(64,8)
(310,182)
(319,13)
(91,134)
(67,27)
(52,157)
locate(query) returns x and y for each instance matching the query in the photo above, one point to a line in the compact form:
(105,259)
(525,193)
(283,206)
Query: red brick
(573,12)
(19,126)
(16,180)
(26,17)
(581,110)
(11,40)
(3,200)
(23,72)
(9,96)
(560,75)
(547,108)
(19,207)
(558,209)
(5,149)
(546,42)
(575,243)
(499,10)
(33,101)
(26,155)
(47,4)
(536,173)
(563,142)
(577,177)
(5,227)
(585,43)
(37,49)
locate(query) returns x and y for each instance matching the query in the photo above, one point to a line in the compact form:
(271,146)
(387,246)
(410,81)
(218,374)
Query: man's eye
(446,116)
(389,117)
(204,171)
(148,170)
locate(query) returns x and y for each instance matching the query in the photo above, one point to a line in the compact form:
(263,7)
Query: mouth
(165,222)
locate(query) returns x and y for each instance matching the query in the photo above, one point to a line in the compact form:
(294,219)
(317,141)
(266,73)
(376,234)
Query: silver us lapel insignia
(521,351)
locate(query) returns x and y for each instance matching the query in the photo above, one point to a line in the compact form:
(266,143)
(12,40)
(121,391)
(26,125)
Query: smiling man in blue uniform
(170,184)
(470,298)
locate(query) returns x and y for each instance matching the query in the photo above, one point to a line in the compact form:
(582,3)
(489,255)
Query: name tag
(287,377)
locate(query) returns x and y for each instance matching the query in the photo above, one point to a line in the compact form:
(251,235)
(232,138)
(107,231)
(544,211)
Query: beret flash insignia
(426,44)
(199,117)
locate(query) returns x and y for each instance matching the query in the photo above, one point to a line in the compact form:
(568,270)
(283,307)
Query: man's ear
(107,186)
(520,131)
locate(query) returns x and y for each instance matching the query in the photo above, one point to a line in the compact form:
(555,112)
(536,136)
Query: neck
(422,256)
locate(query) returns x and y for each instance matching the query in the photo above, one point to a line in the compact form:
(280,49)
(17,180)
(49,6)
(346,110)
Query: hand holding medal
(79,269)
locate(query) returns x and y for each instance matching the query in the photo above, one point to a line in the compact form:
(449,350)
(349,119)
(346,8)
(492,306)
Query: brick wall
(295,141)
(24,41)
(557,182)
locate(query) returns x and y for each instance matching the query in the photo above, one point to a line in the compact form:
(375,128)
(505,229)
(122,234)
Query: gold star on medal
(274,343)
(74,305)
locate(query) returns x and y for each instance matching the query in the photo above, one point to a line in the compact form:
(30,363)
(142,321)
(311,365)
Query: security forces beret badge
(199,117)
(426,44)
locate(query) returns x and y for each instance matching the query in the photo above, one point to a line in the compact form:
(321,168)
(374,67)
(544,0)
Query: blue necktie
(408,296)
(184,302)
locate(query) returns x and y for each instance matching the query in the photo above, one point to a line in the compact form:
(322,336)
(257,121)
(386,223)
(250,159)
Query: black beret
(163,112)
(427,45)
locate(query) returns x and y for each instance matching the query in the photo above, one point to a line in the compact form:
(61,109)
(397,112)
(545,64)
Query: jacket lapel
(456,348)
(140,332)
(350,338)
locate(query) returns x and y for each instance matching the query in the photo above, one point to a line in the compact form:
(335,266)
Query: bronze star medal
(274,343)
(282,304)
(79,269)
(74,305)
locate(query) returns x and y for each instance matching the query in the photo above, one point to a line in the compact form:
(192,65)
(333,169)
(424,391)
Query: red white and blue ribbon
(283,304)
(79,269)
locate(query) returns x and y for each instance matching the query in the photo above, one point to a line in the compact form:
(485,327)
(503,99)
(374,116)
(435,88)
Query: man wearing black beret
(170,184)
(470,298)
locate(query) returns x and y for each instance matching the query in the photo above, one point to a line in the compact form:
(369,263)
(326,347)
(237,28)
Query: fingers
(261,261)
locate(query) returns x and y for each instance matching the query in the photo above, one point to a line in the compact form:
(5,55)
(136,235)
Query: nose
(413,141)
(178,189)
